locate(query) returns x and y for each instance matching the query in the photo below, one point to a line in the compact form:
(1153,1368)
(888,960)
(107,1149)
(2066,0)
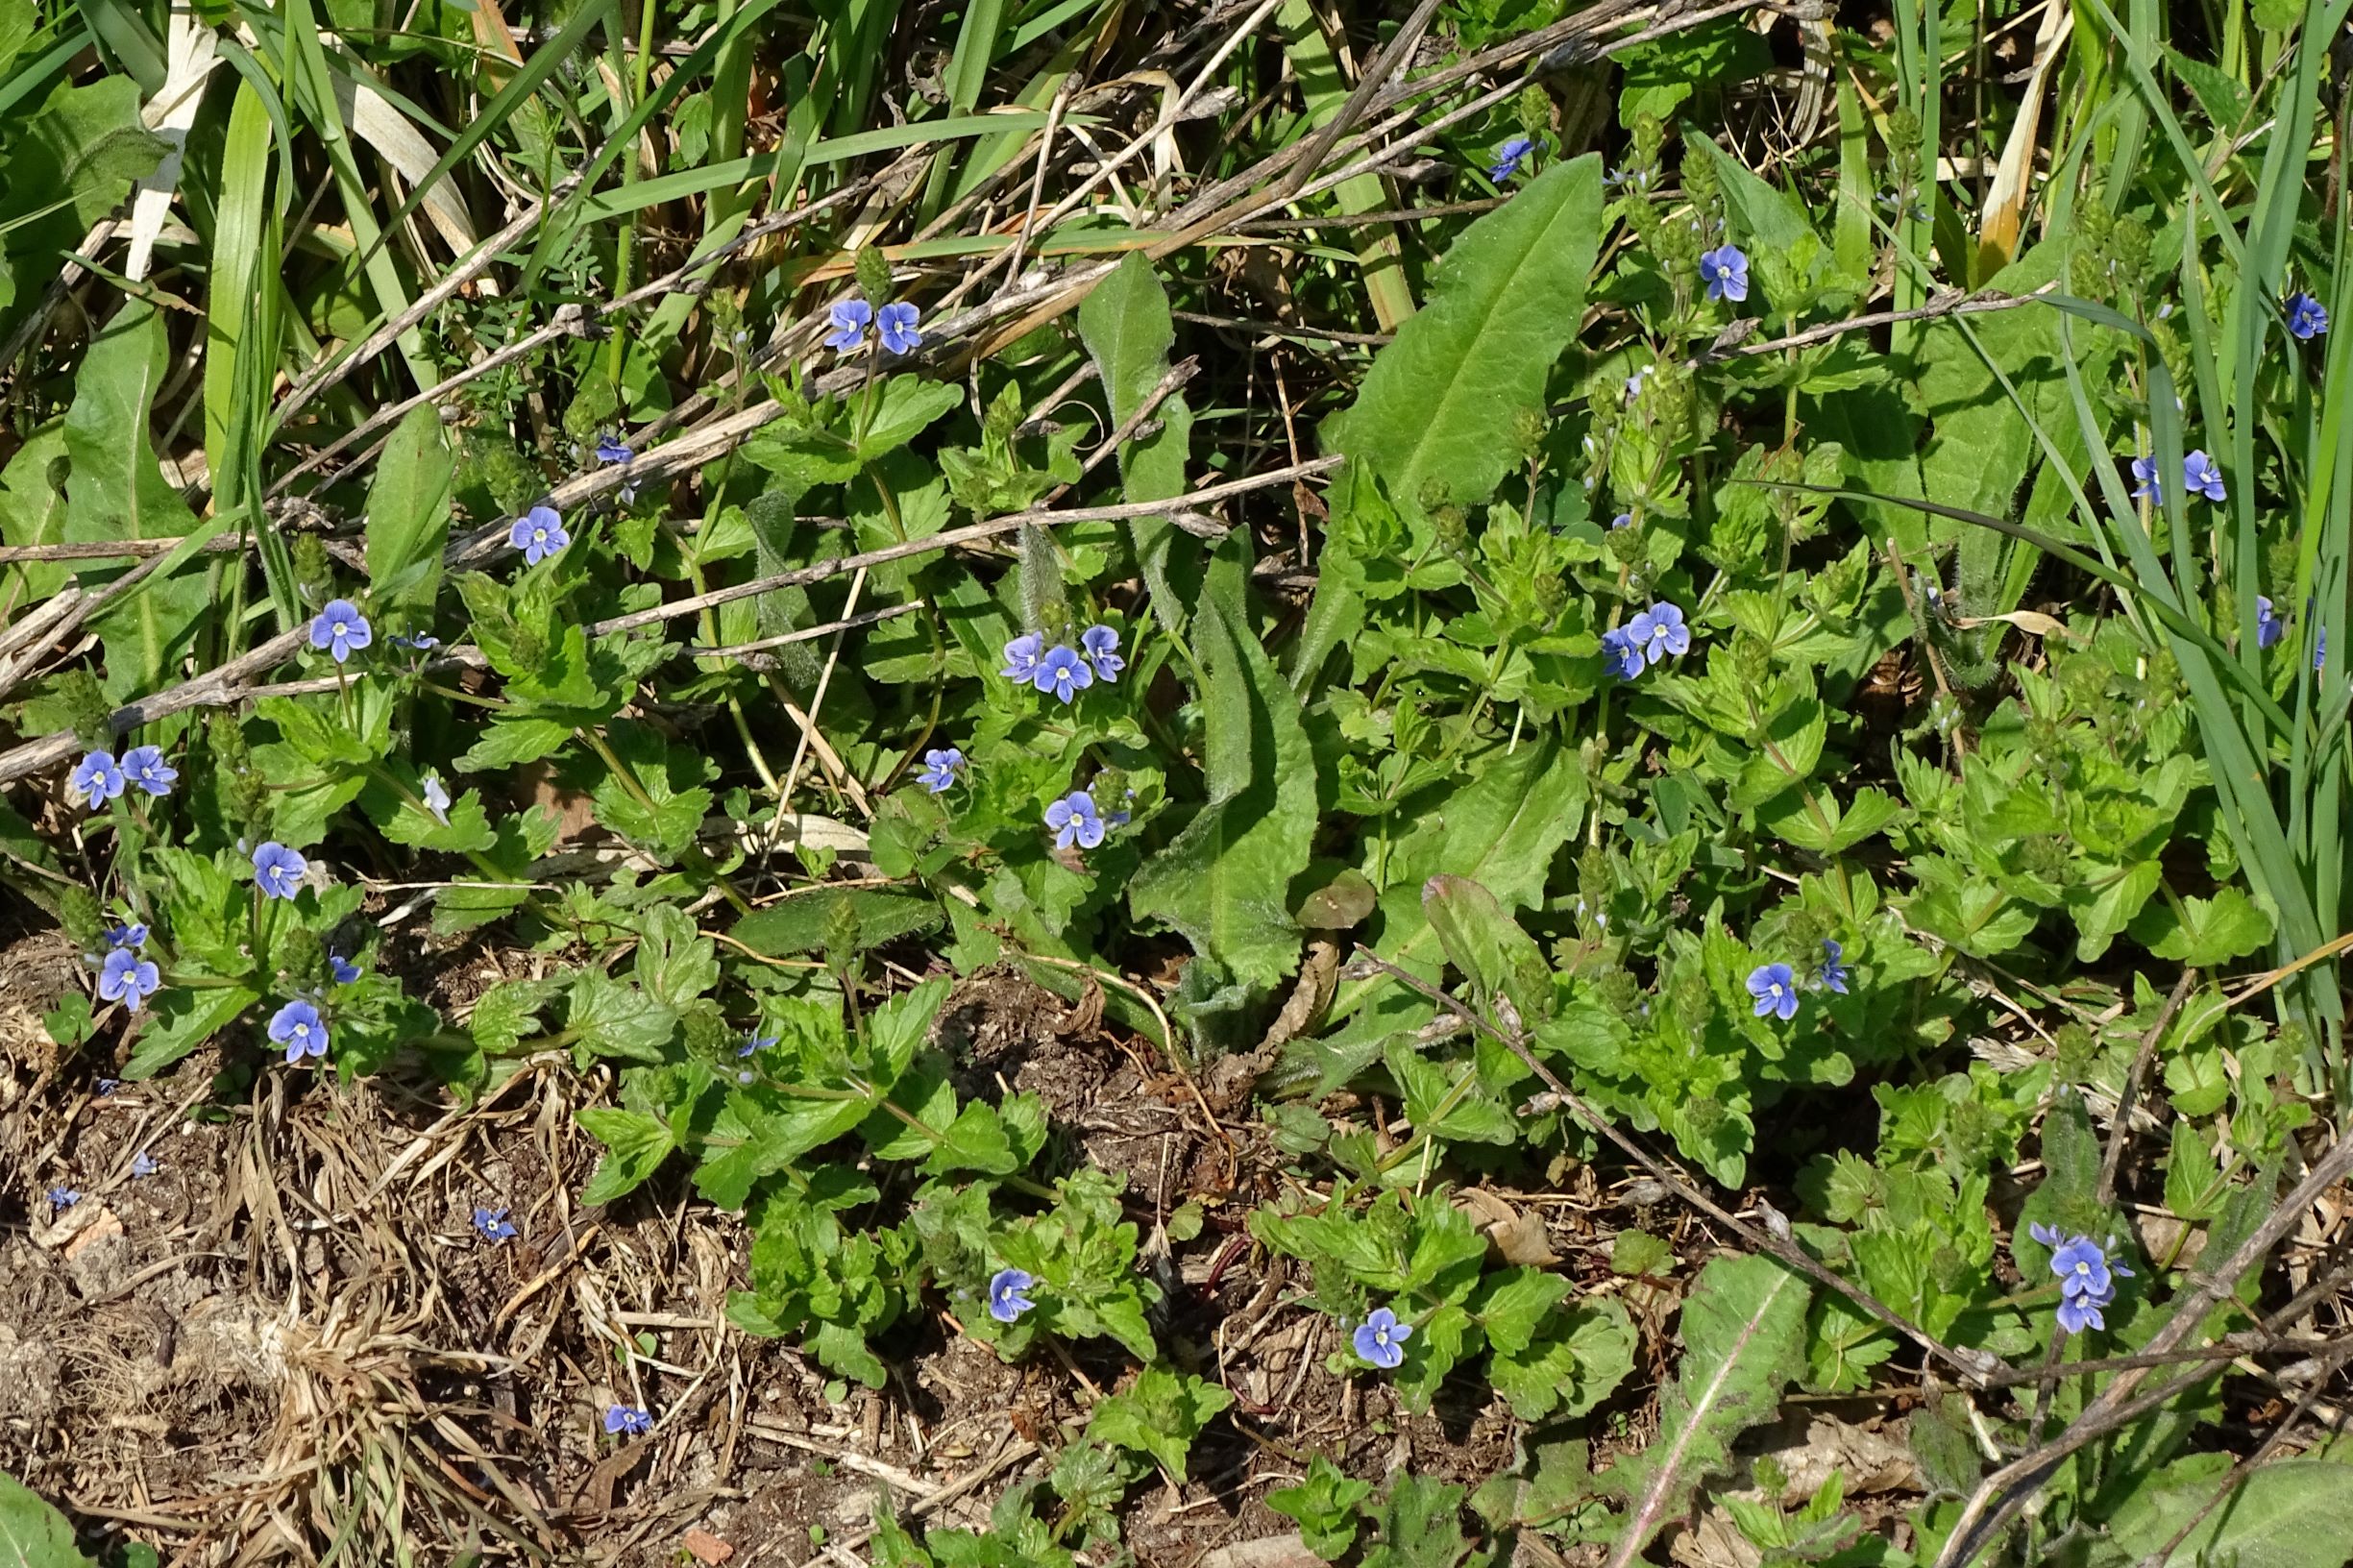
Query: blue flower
(611,448)
(2319,648)
(1021,656)
(538,534)
(1659,631)
(895,324)
(2087,1276)
(96,778)
(1634,383)
(1623,520)
(129,934)
(108,1086)
(1381,1339)
(341,628)
(2307,318)
(1008,1293)
(940,768)
(1775,990)
(64,1197)
(127,978)
(2201,477)
(300,1029)
(279,870)
(1621,653)
(421,643)
(755,1044)
(1509,156)
(1833,964)
(1073,820)
(2146,485)
(1725,270)
(1101,645)
(1061,674)
(144,1164)
(494,1226)
(437,799)
(342,970)
(849,323)
(2269,629)
(145,766)
(629,1419)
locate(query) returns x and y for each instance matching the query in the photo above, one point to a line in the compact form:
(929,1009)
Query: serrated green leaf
(635,1144)
(1744,1339)
(33,1534)
(2203,932)
(180,1021)
(1159,1415)
(612,1018)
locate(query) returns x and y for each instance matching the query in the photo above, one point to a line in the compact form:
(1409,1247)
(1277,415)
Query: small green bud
(1704,1113)
(77,912)
(87,708)
(1536,111)
(1902,134)
(1528,433)
(2075,1048)
(311,573)
(874,269)
(1453,528)
(841,931)
(1771,1478)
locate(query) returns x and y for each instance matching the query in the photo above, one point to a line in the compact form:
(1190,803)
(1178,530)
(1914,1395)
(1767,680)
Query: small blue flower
(1833,964)
(2270,627)
(421,643)
(626,1420)
(2201,477)
(1634,383)
(1623,520)
(64,1197)
(2146,484)
(2307,318)
(1621,653)
(1660,632)
(1074,820)
(340,629)
(299,1028)
(1101,646)
(896,325)
(1008,1293)
(494,1226)
(341,969)
(1381,1339)
(850,318)
(2319,648)
(95,779)
(2087,1276)
(145,766)
(1021,656)
(1725,270)
(1061,674)
(127,978)
(1509,156)
(940,768)
(129,934)
(279,870)
(437,799)
(539,534)
(144,1164)
(1775,990)
(108,1086)
(611,448)
(755,1044)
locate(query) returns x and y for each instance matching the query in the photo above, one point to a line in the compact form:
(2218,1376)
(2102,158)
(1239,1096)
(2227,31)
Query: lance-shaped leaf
(1744,1339)
(1126,327)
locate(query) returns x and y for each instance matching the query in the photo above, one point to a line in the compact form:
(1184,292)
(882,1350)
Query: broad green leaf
(70,162)
(1487,946)
(117,492)
(904,407)
(896,1030)
(1324,1506)
(768,1142)
(801,924)
(1127,330)
(33,1534)
(1744,1340)
(1421,1526)
(2287,1513)
(2203,931)
(1224,880)
(607,1016)
(408,519)
(635,1142)
(181,1020)
(675,963)
(1440,402)
(33,512)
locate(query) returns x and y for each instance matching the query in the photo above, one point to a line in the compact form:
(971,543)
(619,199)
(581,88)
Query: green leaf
(1421,1526)
(1224,880)
(1324,1506)
(408,518)
(975,1141)
(509,742)
(635,1142)
(1744,1340)
(183,1020)
(675,963)
(70,163)
(117,492)
(800,924)
(2277,1516)
(2203,931)
(1127,330)
(896,1030)
(612,1018)
(1159,1415)
(768,1142)
(1441,401)
(33,1534)
(1487,945)
(468,830)
(904,407)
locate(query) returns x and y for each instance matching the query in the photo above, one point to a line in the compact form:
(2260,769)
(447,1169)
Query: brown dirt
(291,1330)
